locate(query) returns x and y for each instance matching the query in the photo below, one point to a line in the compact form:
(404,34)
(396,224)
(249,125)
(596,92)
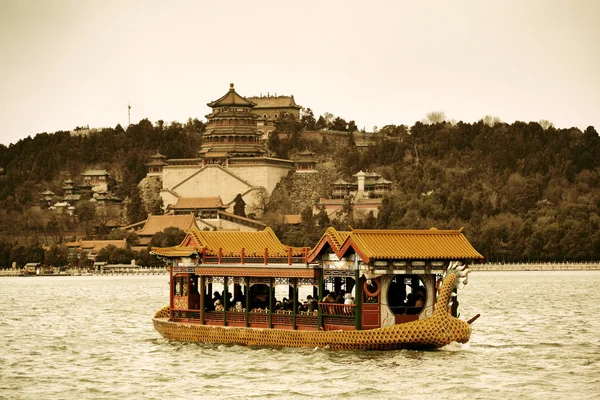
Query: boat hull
(435,331)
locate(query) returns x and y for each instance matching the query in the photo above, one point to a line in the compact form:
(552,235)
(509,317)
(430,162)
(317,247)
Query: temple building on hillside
(362,197)
(269,109)
(155,167)
(232,160)
(305,162)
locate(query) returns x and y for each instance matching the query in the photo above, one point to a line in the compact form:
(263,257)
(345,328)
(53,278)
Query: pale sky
(73,63)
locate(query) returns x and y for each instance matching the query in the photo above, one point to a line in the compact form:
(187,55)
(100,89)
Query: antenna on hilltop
(128,114)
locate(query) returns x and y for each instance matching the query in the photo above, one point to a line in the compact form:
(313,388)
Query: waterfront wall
(83,272)
(563,266)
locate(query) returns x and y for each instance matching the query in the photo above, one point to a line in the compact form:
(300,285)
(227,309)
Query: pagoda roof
(231,98)
(274,101)
(371,244)
(382,181)
(198,203)
(158,156)
(158,162)
(48,192)
(230,244)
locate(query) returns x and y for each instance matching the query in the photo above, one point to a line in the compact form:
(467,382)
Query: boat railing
(262,318)
(338,309)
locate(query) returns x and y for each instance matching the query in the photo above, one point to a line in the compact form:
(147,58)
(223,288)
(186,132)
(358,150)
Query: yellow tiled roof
(232,243)
(408,244)
(401,244)
(177,251)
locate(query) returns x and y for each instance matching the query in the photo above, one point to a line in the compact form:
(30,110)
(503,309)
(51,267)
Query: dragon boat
(358,289)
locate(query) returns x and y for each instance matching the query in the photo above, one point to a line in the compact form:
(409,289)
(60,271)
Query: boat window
(339,289)
(213,291)
(406,295)
(180,286)
(236,297)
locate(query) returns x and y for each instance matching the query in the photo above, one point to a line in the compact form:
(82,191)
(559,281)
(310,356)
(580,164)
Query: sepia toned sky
(72,63)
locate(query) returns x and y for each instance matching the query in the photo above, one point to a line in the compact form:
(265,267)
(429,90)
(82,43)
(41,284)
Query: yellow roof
(230,243)
(177,251)
(409,244)
(399,244)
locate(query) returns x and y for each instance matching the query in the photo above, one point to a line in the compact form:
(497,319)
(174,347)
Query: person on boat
(311,303)
(339,299)
(238,295)
(348,299)
(419,301)
(330,298)
(420,297)
(216,296)
(410,300)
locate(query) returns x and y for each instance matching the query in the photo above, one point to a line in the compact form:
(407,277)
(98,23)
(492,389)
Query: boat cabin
(351,280)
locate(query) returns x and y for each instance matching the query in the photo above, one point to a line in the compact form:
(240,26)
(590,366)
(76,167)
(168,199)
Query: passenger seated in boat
(340,297)
(420,298)
(218,306)
(286,304)
(329,298)
(216,296)
(238,306)
(238,296)
(420,301)
(311,303)
(410,300)
(348,299)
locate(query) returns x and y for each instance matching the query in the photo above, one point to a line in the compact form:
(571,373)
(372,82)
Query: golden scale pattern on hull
(435,331)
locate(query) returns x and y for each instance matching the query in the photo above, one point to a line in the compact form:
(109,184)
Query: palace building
(269,109)
(232,160)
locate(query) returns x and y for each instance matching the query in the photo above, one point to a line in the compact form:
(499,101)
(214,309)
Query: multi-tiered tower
(232,160)
(231,130)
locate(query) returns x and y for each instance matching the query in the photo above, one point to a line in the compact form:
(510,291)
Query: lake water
(92,337)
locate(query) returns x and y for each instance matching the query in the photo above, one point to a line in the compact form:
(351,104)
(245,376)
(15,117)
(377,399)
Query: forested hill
(34,164)
(522,192)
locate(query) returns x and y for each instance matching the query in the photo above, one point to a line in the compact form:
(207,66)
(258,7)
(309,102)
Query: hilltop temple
(232,160)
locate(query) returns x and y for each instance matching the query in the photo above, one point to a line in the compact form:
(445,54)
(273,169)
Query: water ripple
(92,337)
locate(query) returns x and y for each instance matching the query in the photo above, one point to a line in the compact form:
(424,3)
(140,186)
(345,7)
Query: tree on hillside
(57,256)
(135,208)
(435,117)
(118,234)
(86,215)
(308,119)
(239,205)
(169,237)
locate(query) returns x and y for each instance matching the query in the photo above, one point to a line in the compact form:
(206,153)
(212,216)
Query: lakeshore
(20,272)
(537,266)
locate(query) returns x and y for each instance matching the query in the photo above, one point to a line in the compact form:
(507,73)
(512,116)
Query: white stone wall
(173,175)
(267,176)
(213,180)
